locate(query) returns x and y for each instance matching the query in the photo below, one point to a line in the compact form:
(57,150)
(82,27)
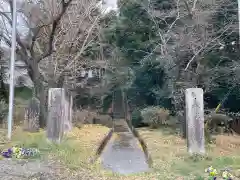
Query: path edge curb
(143,144)
(102,145)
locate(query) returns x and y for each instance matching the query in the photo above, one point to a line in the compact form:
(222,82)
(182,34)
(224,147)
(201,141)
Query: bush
(215,120)
(136,118)
(155,116)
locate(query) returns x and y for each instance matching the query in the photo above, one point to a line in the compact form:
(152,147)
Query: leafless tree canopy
(58,33)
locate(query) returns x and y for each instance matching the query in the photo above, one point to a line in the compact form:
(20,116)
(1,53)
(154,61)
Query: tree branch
(54,27)
(188,9)
(83,45)
(35,32)
(201,49)
(17,34)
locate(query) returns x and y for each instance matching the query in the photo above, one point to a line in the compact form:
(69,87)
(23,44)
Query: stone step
(120,126)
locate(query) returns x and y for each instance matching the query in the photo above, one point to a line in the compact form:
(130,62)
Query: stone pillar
(56,113)
(195,120)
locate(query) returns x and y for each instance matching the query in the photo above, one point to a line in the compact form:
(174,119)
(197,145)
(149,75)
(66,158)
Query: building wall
(21,78)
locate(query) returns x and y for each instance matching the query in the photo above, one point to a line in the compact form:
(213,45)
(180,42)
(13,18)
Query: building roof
(21,74)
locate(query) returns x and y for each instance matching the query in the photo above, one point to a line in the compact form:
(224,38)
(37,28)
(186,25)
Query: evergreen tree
(135,35)
(226,56)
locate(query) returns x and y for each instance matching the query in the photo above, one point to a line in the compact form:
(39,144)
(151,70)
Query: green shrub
(136,118)
(155,116)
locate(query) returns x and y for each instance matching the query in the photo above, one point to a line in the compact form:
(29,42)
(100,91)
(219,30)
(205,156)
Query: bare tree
(58,33)
(185,41)
(185,36)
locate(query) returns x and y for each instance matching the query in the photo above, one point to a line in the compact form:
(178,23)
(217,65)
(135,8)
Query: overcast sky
(110,4)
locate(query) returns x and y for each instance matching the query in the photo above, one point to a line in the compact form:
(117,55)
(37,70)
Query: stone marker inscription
(55,121)
(195,120)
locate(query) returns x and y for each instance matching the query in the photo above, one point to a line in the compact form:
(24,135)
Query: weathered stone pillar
(195,120)
(59,114)
(55,121)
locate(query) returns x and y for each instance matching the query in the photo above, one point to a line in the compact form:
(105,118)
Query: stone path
(123,154)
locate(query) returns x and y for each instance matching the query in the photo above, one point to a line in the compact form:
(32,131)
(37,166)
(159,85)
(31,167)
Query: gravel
(41,170)
(30,169)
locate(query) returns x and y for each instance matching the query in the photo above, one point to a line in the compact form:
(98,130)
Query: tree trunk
(43,98)
(39,91)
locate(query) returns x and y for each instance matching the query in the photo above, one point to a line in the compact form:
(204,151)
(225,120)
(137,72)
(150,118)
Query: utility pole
(12,68)
(238,23)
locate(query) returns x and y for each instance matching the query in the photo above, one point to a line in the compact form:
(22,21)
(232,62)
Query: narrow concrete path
(123,154)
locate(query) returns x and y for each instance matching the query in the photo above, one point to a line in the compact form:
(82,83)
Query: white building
(21,77)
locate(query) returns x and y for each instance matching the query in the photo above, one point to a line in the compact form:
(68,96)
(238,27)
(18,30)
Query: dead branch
(204,47)
(54,27)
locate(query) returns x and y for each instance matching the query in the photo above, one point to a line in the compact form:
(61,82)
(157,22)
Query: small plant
(197,157)
(213,174)
(20,153)
(227,175)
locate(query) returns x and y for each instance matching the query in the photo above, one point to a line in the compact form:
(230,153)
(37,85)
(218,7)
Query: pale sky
(110,4)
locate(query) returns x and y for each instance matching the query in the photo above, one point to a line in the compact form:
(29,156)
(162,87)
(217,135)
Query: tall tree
(59,33)
(223,59)
(165,44)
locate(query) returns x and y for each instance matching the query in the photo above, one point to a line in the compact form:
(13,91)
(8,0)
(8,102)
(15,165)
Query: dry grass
(75,151)
(169,153)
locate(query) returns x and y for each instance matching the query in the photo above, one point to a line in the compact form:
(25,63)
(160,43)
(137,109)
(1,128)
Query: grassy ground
(169,153)
(170,157)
